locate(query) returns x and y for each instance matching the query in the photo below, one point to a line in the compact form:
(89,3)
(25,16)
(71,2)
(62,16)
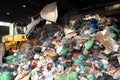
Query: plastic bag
(5,76)
(10,58)
(64,51)
(89,43)
(70,76)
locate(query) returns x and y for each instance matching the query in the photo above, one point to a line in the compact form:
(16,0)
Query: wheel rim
(2,49)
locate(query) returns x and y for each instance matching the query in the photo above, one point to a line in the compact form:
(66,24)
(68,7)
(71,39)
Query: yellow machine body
(13,42)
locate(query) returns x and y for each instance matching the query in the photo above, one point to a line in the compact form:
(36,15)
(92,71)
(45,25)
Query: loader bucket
(50,12)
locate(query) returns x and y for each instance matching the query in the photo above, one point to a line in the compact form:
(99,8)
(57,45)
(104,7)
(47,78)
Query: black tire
(25,47)
(2,49)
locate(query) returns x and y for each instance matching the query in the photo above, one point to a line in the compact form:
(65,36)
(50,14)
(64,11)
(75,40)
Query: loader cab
(17,29)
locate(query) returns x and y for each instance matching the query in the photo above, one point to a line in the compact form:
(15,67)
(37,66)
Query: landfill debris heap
(86,49)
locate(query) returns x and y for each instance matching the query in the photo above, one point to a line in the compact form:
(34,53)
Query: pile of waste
(86,49)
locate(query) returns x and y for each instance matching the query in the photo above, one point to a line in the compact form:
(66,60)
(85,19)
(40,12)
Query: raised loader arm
(49,13)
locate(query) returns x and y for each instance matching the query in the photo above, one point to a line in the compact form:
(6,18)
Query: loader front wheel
(2,49)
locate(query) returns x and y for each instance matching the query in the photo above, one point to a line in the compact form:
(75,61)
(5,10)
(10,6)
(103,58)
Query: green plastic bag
(14,60)
(57,77)
(70,76)
(93,30)
(82,56)
(64,51)
(88,44)
(86,67)
(102,69)
(10,58)
(111,30)
(5,75)
(74,59)
(73,76)
(22,59)
(113,35)
(90,76)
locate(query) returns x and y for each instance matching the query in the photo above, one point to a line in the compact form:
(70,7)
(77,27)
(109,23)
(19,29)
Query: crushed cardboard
(118,57)
(109,43)
(100,55)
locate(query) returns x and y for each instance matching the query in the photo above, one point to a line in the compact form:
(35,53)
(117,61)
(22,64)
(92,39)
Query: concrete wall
(73,16)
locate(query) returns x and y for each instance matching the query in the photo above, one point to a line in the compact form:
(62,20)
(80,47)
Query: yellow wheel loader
(13,42)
